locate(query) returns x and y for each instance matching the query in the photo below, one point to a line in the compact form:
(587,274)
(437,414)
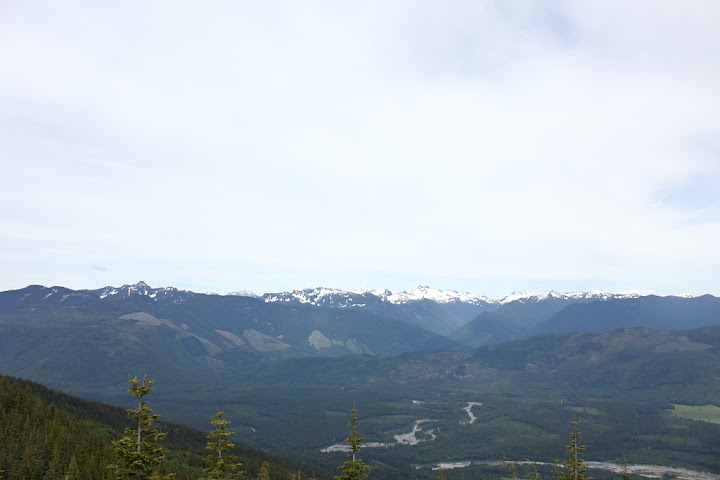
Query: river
(418,434)
(649,471)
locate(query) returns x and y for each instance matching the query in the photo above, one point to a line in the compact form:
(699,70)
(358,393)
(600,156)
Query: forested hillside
(40,440)
(46,434)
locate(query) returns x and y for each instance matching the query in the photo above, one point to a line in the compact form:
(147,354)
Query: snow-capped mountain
(360,297)
(435,295)
(323,296)
(440,311)
(240,293)
(142,289)
(334,297)
(530,297)
(370,320)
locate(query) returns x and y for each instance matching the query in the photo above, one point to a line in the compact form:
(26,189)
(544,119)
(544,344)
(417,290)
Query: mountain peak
(424,292)
(142,289)
(536,297)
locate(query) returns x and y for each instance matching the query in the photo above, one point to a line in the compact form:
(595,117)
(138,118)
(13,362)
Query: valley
(286,373)
(422,431)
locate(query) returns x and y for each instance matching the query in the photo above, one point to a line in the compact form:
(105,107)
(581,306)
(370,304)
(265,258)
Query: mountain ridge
(467,318)
(443,312)
(313,295)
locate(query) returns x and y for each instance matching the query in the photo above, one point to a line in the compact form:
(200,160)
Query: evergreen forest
(48,435)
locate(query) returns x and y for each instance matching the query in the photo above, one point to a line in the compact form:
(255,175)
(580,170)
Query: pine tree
(354,468)
(575,466)
(54,465)
(73,472)
(625,473)
(557,473)
(222,466)
(139,453)
(264,474)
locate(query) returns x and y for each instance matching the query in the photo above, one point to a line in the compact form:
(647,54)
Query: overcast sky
(482,146)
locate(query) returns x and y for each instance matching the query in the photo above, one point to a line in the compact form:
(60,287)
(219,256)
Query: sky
(481,146)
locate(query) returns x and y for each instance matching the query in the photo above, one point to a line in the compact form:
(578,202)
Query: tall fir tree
(264,473)
(223,465)
(354,468)
(139,453)
(73,472)
(557,473)
(575,466)
(625,473)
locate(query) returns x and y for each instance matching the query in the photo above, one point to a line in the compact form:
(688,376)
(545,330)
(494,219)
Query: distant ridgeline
(63,337)
(46,434)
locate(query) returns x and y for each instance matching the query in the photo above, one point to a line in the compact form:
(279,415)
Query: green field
(703,413)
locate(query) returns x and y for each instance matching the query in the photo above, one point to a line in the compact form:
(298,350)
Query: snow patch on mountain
(337,298)
(142,289)
(242,293)
(354,298)
(235,293)
(361,297)
(530,297)
(308,295)
(434,294)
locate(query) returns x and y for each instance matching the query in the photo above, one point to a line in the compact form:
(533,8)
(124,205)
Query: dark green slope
(621,360)
(48,434)
(254,322)
(521,319)
(40,440)
(436,317)
(517,319)
(70,339)
(650,311)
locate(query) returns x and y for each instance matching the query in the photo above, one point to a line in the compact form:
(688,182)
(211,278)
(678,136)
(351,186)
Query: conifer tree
(575,466)
(139,453)
(557,473)
(222,466)
(73,472)
(354,468)
(264,473)
(625,473)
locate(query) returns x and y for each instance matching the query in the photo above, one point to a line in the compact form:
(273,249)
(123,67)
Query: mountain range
(115,330)
(456,319)
(286,366)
